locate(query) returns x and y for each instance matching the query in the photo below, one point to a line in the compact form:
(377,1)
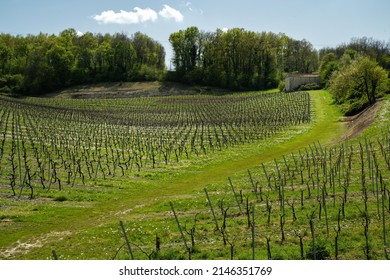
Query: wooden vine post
(235,195)
(253,232)
(127,240)
(181,231)
(211,208)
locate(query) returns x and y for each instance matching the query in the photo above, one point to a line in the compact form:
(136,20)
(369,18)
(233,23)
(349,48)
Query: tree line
(238,58)
(332,59)
(42,63)
(235,59)
(356,73)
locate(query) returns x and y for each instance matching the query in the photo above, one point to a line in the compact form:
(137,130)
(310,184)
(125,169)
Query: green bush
(5,89)
(360,81)
(148,73)
(11,83)
(60,198)
(354,106)
(312,86)
(322,252)
(282,85)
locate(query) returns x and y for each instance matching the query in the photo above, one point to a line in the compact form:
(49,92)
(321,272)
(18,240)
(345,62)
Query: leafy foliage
(375,49)
(239,59)
(358,83)
(329,64)
(43,63)
(312,86)
(321,252)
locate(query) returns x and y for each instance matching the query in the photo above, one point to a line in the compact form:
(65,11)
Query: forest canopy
(36,64)
(238,58)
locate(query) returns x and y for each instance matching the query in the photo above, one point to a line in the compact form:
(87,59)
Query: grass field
(274,214)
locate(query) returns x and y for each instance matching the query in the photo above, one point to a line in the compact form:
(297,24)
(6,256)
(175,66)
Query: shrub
(322,252)
(354,106)
(60,198)
(312,86)
(11,83)
(282,85)
(362,79)
(5,89)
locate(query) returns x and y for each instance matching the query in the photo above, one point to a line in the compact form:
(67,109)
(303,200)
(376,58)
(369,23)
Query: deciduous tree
(358,83)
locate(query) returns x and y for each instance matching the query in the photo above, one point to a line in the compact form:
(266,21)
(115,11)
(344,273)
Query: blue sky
(322,22)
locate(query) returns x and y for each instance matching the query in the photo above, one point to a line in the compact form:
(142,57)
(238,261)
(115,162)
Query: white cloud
(225,29)
(189,6)
(79,33)
(123,17)
(171,13)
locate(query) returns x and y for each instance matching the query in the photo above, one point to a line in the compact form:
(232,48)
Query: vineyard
(319,202)
(47,145)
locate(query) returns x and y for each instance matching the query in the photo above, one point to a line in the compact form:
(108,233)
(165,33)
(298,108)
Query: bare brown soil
(131,89)
(22,248)
(356,124)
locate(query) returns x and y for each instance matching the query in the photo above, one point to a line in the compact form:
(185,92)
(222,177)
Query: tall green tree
(124,60)
(186,45)
(375,49)
(150,57)
(86,47)
(370,78)
(59,63)
(329,64)
(300,57)
(238,58)
(104,56)
(37,73)
(36,64)
(5,56)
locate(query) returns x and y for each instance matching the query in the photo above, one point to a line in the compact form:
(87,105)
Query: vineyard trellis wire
(325,203)
(52,143)
(328,202)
